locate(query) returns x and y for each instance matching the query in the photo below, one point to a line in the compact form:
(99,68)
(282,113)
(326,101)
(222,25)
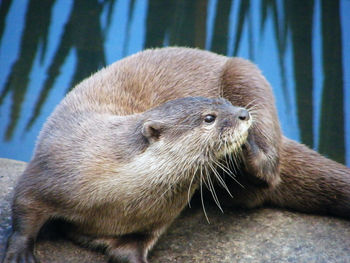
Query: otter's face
(227,127)
(198,129)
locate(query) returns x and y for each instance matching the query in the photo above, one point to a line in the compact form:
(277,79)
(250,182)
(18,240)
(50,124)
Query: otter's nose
(243,115)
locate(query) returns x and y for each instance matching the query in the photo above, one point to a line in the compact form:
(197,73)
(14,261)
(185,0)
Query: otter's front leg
(131,248)
(243,85)
(261,163)
(19,249)
(27,222)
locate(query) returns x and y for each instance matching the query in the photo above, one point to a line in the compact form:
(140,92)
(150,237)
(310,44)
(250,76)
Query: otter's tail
(310,182)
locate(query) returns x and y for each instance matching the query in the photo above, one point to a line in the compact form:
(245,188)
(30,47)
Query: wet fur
(272,168)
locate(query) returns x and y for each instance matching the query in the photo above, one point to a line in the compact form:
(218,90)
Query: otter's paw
(261,162)
(127,259)
(129,255)
(20,257)
(19,250)
(131,248)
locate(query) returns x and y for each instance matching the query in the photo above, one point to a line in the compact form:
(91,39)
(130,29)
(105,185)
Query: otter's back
(148,79)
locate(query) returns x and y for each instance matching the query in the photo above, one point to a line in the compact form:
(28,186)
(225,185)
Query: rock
(261,235)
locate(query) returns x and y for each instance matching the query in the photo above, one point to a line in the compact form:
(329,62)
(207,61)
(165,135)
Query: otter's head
(195,130)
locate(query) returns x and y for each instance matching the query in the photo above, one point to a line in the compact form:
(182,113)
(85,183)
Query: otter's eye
(209,118)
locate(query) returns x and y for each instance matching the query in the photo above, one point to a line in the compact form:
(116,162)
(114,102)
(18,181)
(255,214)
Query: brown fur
(121,180)
(273,169)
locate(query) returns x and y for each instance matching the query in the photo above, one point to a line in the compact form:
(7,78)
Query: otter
(121,180)
(271,168)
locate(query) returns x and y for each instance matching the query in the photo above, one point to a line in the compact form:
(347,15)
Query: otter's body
(121,180)
(72,173)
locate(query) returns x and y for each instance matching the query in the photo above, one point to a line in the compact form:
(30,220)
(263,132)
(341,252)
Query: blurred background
(302,47)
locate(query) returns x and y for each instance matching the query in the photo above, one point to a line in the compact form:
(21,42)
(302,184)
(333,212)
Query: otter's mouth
(232,139)
(231,144)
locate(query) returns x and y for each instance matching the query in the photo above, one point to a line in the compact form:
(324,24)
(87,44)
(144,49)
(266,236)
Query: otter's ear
(152,130)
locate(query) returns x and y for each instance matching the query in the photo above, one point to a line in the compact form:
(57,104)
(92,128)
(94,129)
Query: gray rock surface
(262,235)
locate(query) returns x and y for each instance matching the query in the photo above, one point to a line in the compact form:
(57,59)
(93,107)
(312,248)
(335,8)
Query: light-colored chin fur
(233,141)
